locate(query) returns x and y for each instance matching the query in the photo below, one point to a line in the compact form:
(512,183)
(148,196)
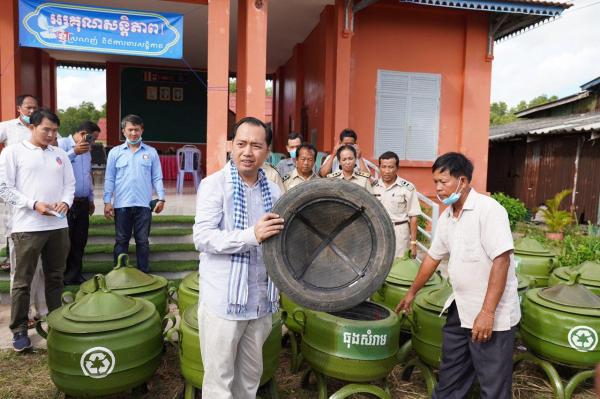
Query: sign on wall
(75,27)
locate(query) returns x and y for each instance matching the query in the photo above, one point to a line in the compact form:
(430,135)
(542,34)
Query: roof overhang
(591,85)
(552,104)
(588,123)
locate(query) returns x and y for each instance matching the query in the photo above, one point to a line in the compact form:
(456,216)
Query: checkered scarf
(237,296)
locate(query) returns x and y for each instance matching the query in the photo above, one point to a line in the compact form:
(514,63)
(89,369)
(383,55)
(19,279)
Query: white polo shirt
(28,174)
(473,240)
(13,131)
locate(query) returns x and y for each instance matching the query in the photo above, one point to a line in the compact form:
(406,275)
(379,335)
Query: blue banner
(94,29)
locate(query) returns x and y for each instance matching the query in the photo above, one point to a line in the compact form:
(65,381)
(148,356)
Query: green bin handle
(67,297)
(172,293)
(40,330)
(122,261)
(301,321)
(165,322)
(172,336)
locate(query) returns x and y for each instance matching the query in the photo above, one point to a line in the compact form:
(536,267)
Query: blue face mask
(455,196)
(26,119)
(293,153)
(134,142)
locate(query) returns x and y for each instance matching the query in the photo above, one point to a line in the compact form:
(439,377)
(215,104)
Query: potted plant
(555,218)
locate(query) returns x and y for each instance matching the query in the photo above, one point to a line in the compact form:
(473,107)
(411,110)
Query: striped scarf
(237,296)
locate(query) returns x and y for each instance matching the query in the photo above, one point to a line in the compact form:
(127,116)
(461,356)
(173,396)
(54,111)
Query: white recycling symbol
(97,362)
(583,338)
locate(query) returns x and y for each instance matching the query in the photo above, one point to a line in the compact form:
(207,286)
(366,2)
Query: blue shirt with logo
(131,176)
(82,168)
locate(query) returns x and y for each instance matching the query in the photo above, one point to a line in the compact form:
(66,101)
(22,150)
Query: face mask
(293,153)
(455,196)
(26,119)
(134,142)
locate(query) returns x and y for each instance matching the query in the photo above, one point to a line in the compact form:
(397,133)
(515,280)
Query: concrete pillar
(218,85)
(251,58)
(10,76)
(343,51)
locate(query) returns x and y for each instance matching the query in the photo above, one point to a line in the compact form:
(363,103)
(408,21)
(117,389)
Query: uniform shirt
(293,179)
(399,199)
(216,239)
(13,131)
(360,178)
(29,174)
(130,176)
(273,175)
(473,240)
(82,168)
(285,166)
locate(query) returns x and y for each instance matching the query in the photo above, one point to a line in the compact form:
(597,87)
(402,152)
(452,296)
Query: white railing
(435,214)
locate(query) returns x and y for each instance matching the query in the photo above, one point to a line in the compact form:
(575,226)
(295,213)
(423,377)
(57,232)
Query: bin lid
(336,248)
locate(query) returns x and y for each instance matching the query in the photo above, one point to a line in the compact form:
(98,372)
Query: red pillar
(113,100)
(251,58)
(10,76)
(218,85)
(343,50)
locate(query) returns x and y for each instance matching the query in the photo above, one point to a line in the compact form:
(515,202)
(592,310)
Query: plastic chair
(188,161)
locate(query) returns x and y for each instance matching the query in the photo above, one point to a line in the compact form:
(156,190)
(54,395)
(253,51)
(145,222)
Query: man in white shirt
(484,309)
(37,180)
(12,132)
(237,298)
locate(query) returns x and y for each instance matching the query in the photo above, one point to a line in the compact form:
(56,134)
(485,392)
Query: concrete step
(105,240)
(154,256)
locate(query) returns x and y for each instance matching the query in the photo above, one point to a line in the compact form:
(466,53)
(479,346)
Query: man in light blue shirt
(77,147)
(132,171)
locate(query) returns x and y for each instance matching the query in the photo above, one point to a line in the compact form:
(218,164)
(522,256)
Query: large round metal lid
(589,273)
(191,281)
(531,246)
(522,282)
(336,248)
(190,316)
(568,297)
(404,271)
(101,310)
(434,298)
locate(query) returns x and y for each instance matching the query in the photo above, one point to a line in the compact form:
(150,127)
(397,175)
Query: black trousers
(78,218)
(463,360)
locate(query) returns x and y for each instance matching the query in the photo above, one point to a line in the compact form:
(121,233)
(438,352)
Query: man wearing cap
(483,311)
(237,298)
(132,172)
(399,197)
(304,169)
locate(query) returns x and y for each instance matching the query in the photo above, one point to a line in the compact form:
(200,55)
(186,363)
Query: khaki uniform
(360,178)
(401,201)
(293,179)
(272,175)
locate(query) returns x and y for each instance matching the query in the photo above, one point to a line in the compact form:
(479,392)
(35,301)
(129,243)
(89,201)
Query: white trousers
(232,355)
(37,301)
(402,239)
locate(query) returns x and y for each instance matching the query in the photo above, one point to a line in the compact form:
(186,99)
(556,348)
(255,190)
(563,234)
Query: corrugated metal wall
(535,171)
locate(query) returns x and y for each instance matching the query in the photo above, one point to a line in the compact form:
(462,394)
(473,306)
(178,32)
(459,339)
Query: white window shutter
(407,114)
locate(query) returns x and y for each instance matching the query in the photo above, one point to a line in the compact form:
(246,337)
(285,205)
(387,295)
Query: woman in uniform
(346,156)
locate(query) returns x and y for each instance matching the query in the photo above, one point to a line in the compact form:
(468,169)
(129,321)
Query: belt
(80,199)
(399,223)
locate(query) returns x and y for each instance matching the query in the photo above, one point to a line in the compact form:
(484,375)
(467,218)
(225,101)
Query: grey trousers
(53,246)
(231,354)
(38,307)
(463,360)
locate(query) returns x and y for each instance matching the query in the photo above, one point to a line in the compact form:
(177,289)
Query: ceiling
(289,23)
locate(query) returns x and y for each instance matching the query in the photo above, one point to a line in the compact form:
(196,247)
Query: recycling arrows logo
(97,362)
(583,338)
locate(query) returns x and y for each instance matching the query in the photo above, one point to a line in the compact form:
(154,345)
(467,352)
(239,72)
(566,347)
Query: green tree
(72,117)
(500,114)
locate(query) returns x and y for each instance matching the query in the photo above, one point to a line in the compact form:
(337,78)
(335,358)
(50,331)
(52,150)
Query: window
(407,114)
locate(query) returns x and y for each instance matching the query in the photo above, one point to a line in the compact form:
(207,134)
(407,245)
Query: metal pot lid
(191,281)
(522,282)
(125,276)
(569,296)
(590,273)
(336,248)
(436,298)
(404,271)
(102,305)
(531,246)
(190,316)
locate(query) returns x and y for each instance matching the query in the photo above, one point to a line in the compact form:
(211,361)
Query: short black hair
(294,136)
(133,119)
(348,133)
(345,147)
(308,147)
(455,163)
(22,98)
(255,122)
(89,127)
(38,116)
(389,155)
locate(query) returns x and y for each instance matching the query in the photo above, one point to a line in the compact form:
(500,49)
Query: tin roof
(568,124)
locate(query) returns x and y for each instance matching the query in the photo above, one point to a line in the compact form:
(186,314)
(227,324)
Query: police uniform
(271,174)
(293,179)
(401,201)
(358,177)
(286,166)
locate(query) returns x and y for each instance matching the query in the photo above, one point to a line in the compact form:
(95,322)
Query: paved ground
(176,204)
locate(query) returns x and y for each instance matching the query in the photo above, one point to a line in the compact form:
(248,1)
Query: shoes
(21,341)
